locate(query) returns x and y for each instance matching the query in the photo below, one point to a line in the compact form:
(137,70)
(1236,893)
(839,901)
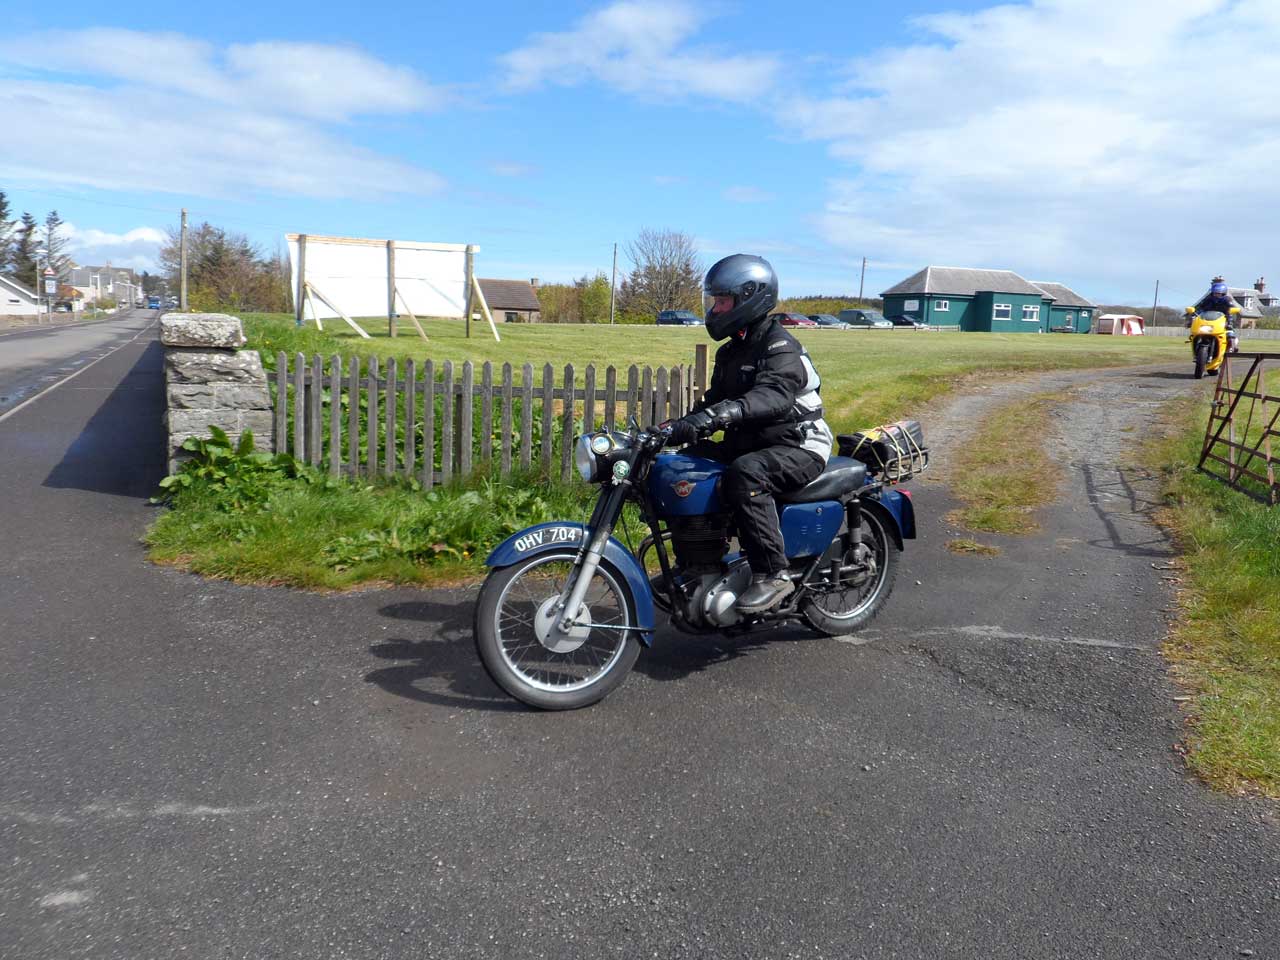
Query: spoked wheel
(1202,358)
(530,658)
(862,591)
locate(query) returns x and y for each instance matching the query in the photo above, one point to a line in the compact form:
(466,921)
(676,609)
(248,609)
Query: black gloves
(701,423)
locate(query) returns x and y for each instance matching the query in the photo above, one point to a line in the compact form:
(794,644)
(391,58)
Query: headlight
(584,459)
(1205,330)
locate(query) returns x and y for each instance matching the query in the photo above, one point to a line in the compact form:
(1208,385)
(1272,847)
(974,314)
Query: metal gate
(1237,441)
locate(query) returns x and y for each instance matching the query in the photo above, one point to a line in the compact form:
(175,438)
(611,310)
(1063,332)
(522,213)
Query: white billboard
(351,277)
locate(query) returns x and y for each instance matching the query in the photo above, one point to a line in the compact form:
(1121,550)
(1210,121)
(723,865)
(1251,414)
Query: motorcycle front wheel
(850,603)
(529,658)
(1202,359)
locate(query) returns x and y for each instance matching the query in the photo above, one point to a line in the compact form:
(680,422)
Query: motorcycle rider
(764,395)
(1219,298)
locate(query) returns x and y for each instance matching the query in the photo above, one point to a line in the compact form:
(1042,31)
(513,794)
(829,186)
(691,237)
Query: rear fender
(896,512)
(544,537)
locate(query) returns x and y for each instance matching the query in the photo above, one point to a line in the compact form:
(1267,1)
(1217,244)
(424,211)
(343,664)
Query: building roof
(1062,295)
(1249,300)
(79,276)
(13,284)
(962,282)
(509,294)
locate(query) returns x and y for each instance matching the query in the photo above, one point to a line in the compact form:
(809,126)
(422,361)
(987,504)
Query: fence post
(486,413)
(428,425)
(548,403)
(699,372)
(610,397)
(677,392)
(526,416)
(353,416)
(465,431)
(446,426)
(506,419)
(335,415)
(566,439)
(410,417)
(633,392)
(646,399)
(660,396)
(389,461)
(371,468)
(589,399)
(300,408)
(313,410)
(282,402)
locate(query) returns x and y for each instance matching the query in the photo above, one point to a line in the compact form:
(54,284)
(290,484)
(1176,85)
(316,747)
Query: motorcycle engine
(712,602)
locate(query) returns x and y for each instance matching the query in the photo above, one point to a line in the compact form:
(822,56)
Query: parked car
(792,319)
(679,318)
(864,318)
(153,303)
(829,322)
(140,302)
(905,320)
(171,302)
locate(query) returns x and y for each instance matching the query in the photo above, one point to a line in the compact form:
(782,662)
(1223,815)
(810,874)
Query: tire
(836,622)
(1202,359)
(527,670)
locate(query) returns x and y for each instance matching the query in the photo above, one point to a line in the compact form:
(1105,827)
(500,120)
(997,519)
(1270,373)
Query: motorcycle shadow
(443,668)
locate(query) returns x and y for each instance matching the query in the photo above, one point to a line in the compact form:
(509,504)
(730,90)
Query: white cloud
(182,120)
(640,48)
(138,248)
(323,81)
(741,194)
(509,168)
(1086,138)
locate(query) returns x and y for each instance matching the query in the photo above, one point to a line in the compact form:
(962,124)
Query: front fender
(896,511)
(543,537)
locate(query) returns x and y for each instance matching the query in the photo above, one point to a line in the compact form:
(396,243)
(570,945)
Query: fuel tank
(684,486)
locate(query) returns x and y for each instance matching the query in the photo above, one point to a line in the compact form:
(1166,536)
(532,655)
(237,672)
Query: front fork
(603,518)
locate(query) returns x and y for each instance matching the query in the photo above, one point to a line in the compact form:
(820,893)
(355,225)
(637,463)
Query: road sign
(50,283)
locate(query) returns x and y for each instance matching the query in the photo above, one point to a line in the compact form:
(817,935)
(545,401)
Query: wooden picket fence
(434,421)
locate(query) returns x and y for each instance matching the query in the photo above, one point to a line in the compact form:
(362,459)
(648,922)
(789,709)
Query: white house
(16,300)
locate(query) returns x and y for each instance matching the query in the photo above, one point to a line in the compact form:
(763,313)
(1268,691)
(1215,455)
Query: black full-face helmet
(752,284)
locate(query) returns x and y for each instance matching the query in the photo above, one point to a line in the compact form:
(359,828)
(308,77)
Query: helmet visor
(718,302)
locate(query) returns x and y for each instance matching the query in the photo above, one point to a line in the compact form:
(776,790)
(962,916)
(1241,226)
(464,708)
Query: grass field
(869,376)
(1226,648)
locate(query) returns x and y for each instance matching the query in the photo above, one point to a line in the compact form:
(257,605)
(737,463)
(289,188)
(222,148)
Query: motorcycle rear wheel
(508,642)
(836,612)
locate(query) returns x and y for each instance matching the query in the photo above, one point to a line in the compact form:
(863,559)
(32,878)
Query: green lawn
(869,376)
(1226,647)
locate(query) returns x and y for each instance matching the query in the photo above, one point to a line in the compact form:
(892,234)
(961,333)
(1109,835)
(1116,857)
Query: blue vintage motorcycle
(566,608)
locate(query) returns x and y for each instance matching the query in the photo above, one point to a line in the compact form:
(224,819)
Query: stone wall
(209,380)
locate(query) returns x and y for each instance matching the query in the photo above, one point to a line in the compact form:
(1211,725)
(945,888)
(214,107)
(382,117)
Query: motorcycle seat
(842,475)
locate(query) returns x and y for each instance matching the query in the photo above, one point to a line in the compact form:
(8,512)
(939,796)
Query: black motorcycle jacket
(770,374)
(1222,304)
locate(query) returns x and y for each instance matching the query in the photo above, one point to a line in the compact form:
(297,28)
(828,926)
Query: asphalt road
(195,769)
(33,357)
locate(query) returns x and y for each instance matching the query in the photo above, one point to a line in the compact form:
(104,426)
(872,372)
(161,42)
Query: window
(1031,312)
(1070,317)
(14,300)
(910,306)
(513,317)
(942,306)
(1001,311)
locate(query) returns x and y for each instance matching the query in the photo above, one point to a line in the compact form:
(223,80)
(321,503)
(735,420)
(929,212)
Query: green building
(990,301)
(1069,310)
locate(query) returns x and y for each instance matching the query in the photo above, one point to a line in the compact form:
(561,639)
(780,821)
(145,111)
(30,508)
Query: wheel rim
(851,601)
(528,657)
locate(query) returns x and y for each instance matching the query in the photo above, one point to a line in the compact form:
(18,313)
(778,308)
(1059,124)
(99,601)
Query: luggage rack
(893,451)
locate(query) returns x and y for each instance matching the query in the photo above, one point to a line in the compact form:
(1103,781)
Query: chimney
(533,282)
(1260,284)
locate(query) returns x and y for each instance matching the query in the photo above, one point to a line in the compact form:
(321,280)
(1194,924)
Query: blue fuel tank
(684,486)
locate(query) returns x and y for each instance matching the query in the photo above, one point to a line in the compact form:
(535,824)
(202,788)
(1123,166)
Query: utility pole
(613,282)
(182,297)
(862,280)
(1155,303)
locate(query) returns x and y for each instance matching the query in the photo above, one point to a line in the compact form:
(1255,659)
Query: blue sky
(1073,141)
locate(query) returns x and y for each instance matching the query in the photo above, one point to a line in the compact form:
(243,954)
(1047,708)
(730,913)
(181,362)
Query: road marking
(988,632)
(124,811)
(49,389)
(66,898)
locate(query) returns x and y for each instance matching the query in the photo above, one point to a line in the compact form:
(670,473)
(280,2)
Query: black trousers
(750,481)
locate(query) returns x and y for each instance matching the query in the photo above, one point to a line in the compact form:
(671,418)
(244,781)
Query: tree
(666,274)
(593,298)
(226,271)
(26,242)
(6,234)
(56,244)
